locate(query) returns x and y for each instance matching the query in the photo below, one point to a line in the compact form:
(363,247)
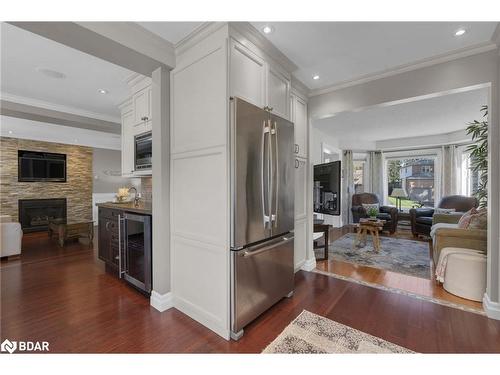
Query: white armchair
(11,236)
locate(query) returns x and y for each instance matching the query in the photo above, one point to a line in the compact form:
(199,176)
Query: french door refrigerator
(262,212)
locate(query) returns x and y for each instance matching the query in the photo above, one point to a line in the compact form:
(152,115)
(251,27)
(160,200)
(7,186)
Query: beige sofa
(445,233)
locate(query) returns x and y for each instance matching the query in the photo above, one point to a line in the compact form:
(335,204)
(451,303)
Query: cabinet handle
(145,118)
(297,163)
(296,148)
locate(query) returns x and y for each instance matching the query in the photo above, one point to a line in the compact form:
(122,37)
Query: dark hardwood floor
(71,302)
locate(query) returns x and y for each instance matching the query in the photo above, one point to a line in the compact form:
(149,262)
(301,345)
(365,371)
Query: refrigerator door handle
(265,169)
(274,217)
(284,240)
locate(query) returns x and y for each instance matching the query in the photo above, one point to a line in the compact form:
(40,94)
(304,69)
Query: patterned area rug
(310,333)
(397,255)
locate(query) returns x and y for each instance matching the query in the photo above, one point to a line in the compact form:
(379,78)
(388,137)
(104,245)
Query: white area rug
(310,333)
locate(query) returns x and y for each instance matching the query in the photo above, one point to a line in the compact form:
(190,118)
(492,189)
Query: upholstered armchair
(11,236)
(387,213)
(445,233)
(421,218)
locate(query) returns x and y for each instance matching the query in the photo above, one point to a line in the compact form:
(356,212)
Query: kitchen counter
(143,207)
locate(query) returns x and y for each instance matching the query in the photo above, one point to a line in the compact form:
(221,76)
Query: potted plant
(372,212)
(479,155)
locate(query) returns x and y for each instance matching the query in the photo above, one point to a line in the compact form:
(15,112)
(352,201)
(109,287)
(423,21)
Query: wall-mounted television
(41,166)
(327,178)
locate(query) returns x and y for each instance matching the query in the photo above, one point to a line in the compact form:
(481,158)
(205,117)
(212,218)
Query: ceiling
(23,52)
(171,31)
(439,115)
(343,51)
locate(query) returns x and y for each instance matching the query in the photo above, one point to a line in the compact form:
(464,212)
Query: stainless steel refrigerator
(262,212)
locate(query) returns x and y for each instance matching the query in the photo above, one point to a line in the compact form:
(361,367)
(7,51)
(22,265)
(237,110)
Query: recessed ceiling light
(51,73)
(268,29)
(315,77)
(10,131)
(102,91)
(460,32)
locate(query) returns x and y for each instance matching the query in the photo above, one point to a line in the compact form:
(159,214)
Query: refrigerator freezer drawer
(262,275)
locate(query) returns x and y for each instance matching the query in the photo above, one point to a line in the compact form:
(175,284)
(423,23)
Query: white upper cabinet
(127,141)
(259,82)
(248,74)
(299,118)
(136,118)
(278,92)
(142,105)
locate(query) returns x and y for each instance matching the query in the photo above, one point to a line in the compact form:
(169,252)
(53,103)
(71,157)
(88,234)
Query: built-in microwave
(143,151)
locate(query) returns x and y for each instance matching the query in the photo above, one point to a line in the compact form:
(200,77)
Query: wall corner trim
(491,308)
(161,302)
(309,265)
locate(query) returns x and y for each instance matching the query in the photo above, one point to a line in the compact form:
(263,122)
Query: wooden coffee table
(67,229)
(371,227)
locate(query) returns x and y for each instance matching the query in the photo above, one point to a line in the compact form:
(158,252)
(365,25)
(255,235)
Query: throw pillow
(444,210)
(479,220)
(370,206)
(464,221)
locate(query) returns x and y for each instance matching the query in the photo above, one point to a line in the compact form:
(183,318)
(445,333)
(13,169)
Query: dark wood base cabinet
(108,242)
(125,246)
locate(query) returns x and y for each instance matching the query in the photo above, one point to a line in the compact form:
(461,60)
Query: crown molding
(57,107)
(195,36)
(495,38)
(445,57)
(299,88)
(246,31)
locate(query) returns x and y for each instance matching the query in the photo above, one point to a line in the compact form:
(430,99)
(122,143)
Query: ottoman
(466,276)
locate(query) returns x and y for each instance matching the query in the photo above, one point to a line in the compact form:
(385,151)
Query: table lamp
(398,193)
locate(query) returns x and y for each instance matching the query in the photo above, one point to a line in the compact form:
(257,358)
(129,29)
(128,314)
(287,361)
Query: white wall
(318,140)
(42,131)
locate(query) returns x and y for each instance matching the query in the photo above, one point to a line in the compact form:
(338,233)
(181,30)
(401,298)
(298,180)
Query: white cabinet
(278,92)
(300,243)
(127,142)
(142,105)
(248,75)
(142,101)
(299,118)
(136,118)
(300,189)
(258,82)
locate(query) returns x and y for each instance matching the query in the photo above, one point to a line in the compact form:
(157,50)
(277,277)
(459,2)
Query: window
(416,176)
(469,178)
(358,174)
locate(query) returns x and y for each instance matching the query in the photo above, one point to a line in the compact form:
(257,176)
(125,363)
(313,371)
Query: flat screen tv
(326,187)
(41,166)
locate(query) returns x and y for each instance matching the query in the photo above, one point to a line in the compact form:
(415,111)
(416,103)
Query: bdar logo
(8,346)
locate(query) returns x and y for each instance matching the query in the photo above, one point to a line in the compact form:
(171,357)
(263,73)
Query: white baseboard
(491,308)
(309,265)
(161,302)
(298,266)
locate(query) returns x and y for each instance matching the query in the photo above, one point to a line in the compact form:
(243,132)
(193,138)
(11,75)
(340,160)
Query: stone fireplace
(34,214)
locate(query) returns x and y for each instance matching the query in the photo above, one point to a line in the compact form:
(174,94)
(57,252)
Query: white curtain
(376,185)
(348,186)
(451,173)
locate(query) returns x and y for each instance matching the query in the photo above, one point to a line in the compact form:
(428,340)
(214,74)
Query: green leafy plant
(372,212)
(479,155)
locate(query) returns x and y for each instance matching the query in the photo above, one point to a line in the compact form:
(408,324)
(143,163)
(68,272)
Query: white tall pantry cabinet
(227,60)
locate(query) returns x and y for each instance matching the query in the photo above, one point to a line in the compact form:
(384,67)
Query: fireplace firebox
(34,214)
